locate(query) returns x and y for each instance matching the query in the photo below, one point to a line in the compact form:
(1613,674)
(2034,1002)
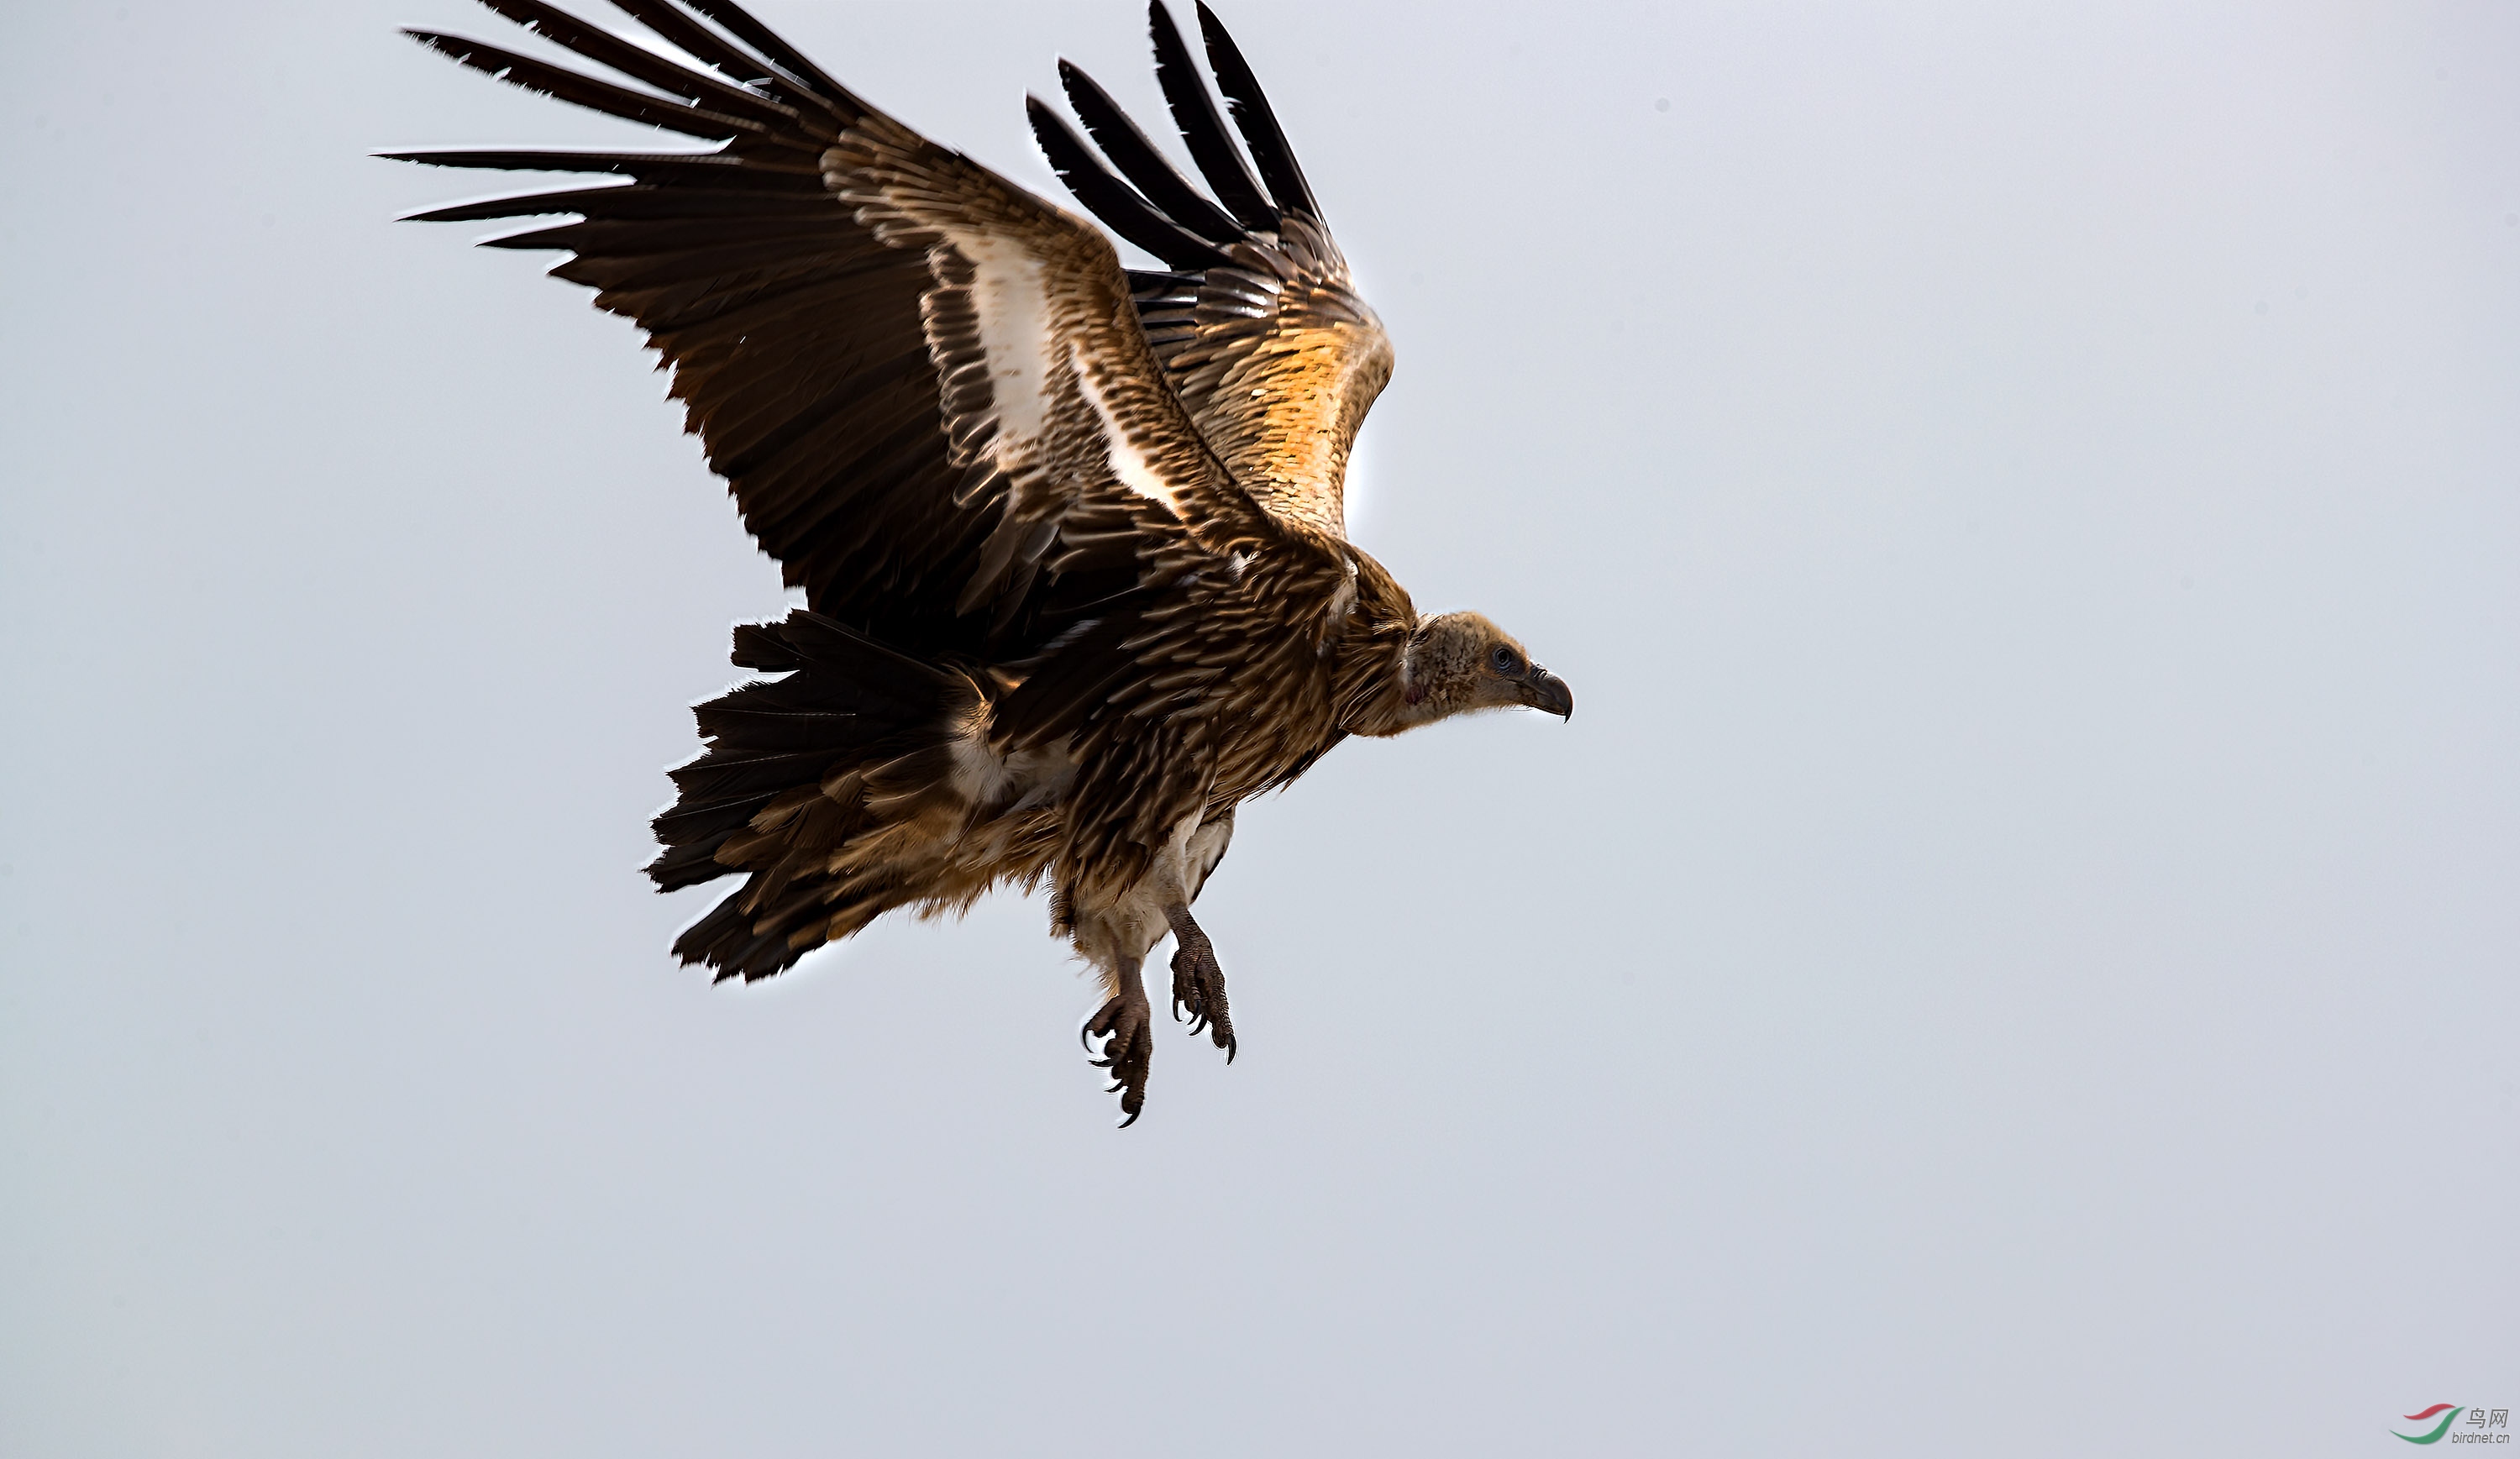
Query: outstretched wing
(924,384)
(1256,320)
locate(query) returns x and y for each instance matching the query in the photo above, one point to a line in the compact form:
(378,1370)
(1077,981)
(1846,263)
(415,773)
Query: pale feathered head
(1459,663)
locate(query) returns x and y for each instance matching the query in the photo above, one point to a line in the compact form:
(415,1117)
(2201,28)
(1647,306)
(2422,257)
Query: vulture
(1070,536)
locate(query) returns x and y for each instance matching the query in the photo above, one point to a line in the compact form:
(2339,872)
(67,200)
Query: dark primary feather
(743,27)
(1254,118)
(1219,160)
(1120,209)
(1140,163)
(662,168)
(640,63)
(585,91)
(710,49)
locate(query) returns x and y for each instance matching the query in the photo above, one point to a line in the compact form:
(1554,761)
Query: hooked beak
(1542,690)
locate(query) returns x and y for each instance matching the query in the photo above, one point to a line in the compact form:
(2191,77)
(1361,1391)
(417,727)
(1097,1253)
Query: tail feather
(746,775)
(688,863)
(691,821)
(774,795)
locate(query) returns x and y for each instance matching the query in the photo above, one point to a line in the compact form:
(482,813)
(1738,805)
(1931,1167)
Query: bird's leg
(1128,1036)
(1199,982)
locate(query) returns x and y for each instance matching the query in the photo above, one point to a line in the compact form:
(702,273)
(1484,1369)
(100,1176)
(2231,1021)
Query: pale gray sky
(2016,955)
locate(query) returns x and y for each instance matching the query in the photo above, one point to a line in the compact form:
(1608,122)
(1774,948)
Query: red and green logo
(2449,1413)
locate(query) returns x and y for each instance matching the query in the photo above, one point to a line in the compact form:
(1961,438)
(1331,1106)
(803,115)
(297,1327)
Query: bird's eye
(1504,660)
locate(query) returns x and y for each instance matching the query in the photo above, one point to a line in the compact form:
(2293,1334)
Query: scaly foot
(1199,984)
(1127,1031)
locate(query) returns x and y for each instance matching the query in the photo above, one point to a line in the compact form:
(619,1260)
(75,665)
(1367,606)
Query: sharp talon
(1123,1024)
(1199,985)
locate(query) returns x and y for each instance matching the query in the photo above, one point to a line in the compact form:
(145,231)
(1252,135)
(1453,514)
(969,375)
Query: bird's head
(1459,663)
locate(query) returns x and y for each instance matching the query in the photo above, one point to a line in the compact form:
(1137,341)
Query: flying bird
(1071,537)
